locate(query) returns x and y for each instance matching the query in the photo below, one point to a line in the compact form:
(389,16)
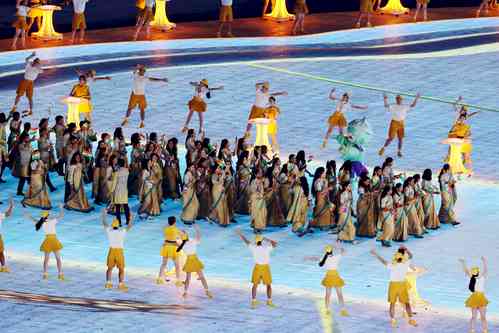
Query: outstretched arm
(8,212)
(97,78)
(385,101)
(485,268)
(29,217)
(472,114)
(272,242)
(61,212)
(158,79)
(279,93)
(416,99)
(103,218)
(198,233)
(216,88)
(457,104)
(332,95)
(244,239)
(465,268)
(359,107)
(31,56)
(383,261)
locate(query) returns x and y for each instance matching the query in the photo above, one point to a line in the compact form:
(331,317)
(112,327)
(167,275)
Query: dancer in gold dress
(37,195)
(190,203)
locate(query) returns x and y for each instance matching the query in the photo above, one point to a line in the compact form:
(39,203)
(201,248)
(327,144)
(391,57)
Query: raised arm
(279,93)
(332,95)
(457,104)
(339,247)
(158,79)
(198,233)
(416,99)
(409,253)
(272,242)
(61,212)
(244,239)
(472,114)
(385,101)
(97,78)
(103,218)
(375,254)
(29,217)
(485,268)
(359,107)
(8,212)
(465,268)
(31,56)
(216,88)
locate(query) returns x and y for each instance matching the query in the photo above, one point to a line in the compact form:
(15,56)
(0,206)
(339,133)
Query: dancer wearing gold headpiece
(115,257)
(169,251)
(197,103)
(398,287)
(51,244)
(261,250)
(192,263)
(7,213)
(477,302)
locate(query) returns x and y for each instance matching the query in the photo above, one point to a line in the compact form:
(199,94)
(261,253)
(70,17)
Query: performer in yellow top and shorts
(397,125)
(226,17)
(261,250)
(20,23)
(115,257)
(477,302)
(51,244)
(145,19)
(398,289)
(82,90)
(79,22)
(197,103)
(365,10)
(169,251)
(193,264)
(273,111)
(261,101)
(26,86)
(7,213)
(424,5)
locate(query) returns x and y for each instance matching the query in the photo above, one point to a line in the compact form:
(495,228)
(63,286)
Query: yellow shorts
(257,112)
(25,87)
(272,128)
(79,21)
(140,4)
(115,258)
(50,244)
(333,280)
(366,6)
(193,264)
(261,274)
(396,130)
(476,300)
(226,14)
(398,291)
(196,104)
(1,244)
(137,101)
(20,23)
(337,120)
(169,251)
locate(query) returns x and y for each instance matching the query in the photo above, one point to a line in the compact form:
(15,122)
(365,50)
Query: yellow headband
(328,249)
(399,256)
(115,223)
(185,236)
(258,238)
(266,85)
(204,82)
(475,271)
(44,214)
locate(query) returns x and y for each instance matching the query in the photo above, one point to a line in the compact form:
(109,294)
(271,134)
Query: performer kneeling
(115,257)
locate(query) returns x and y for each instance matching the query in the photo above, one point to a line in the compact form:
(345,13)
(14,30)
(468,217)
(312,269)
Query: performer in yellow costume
(82,90)
(7,213)
(398,289)
(20,23)
(115,257)
(421,4)
(262,97)
(477,302)
(273,111)
(193,264)
(51,244)
(366,9)
(261,250)
(169,251)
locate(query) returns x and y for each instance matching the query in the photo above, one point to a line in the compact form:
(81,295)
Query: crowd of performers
(27,14)
(223,181)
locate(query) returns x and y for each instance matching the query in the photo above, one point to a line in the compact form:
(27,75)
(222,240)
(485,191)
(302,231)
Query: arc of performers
(368,87)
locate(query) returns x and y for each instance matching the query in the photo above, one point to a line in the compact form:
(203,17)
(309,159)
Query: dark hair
(331,168)
(171,220)
(427,174)
(396,188)
(40,222)
(82,77)
(118,133)
(135,139)
(347,166)
(304,186)
(3,119)
(323,261)
(181,246)
(407,182)
(223,144)
(472,284)
(59,118)
(318,172)
(385,191)
(42,121)
(153,137)
(73,158)
(121,163)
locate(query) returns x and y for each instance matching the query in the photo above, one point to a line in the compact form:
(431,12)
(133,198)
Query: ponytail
(181,246)
(472,284)
(323,261)
(40,222)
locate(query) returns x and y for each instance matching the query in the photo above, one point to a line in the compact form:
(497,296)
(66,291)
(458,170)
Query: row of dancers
(181,249)
(27,15)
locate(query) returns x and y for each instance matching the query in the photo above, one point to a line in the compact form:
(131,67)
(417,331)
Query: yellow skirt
(1,244)
(477,300)
(333,280)
(193,264)
(197,104)
(466,148)
(261,274)
(50,244)
(115,258)
(257,112)
(398,291)
(85,107)
(272,128)
(337,120)
(169,251)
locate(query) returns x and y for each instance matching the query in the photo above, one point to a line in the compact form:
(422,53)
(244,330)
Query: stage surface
(442,60)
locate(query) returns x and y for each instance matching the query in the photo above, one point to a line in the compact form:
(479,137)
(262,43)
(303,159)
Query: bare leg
(30,102)
(339,293)
(2,259)
(401,141)
(425,12)
(18,98)
(220,28)
(392,311)
(302,24)
(416,13)
(14,40)
(253,290)
(369,20)
(109,273)
(269,291)
(46,262)
(265,7)
(189,116)
(73,35)
(201,122)
(203,280)
(229,29)
(273,140)
(142,117)
(187,282)
(148,31)
(121,274)
(59,261)
(327,299)
(408,310)
(23,38)
(82,35)
(483,318)
(359,19)
(177,269)
(162,268)
(474,313)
